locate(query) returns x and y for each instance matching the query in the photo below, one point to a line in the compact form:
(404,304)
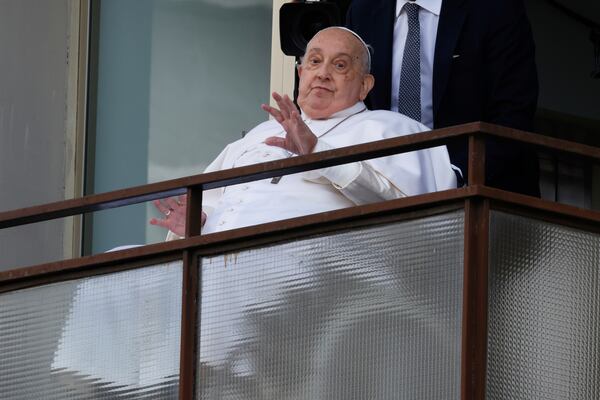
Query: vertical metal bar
(190,298)
(476,160)
(193,223)
(189,325)
(475,299)
(91,108)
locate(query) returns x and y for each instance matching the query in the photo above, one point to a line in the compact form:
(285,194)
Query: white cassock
(332,188)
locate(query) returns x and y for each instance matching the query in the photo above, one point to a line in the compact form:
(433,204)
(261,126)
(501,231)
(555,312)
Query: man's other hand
(173,209)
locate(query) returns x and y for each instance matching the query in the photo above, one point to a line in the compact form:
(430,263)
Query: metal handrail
(139,194)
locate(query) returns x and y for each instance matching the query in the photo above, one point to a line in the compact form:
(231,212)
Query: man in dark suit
(481,67)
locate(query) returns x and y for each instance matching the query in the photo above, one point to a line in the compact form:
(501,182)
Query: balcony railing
(470,293)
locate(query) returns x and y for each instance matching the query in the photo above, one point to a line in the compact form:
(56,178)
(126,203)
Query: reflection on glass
(372,313)
(105,337)
(544,296)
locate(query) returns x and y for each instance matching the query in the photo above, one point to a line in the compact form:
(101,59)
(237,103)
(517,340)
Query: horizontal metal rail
(144,193)
(236,239)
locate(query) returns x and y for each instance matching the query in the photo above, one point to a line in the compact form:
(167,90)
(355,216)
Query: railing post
(475,299)
(190,300)
(194,211)
(476,159)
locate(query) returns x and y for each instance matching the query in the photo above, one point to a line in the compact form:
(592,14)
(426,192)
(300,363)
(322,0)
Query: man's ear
(299,69)
(367,84)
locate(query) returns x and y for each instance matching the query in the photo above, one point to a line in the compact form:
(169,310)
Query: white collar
(433,6)
(340,114)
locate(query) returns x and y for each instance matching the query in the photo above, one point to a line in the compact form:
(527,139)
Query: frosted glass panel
(105,337)
(373,313)
(544,299)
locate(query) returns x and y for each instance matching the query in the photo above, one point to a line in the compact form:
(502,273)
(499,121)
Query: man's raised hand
(299,139)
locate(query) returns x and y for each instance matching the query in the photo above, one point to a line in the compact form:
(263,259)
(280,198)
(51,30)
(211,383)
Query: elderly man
(334,81)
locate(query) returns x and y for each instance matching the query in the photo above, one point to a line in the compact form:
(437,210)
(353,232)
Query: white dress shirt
(429,15)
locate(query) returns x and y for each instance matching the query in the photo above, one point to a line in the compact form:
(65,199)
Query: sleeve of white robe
(357,181)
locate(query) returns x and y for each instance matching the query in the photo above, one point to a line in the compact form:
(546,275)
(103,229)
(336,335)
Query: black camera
(299,21)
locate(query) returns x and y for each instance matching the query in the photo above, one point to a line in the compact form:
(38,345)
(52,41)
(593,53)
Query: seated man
(334,81)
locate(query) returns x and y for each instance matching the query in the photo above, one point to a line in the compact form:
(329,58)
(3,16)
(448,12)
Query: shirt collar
(344,113)
(433,6)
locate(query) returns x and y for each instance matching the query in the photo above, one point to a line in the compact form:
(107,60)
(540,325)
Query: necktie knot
(412,10)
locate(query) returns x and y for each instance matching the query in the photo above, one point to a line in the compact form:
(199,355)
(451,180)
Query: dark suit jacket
(484,70)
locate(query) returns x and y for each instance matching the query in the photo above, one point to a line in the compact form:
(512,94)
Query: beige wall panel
(33,116)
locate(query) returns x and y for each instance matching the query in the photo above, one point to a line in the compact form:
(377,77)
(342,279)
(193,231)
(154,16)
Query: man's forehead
(335,54)
(343,42)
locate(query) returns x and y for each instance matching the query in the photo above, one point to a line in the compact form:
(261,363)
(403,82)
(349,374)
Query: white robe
(258,202)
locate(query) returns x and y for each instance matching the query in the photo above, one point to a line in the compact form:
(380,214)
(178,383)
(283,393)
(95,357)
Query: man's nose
(324,71)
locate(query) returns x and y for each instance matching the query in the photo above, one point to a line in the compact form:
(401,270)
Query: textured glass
(544,311)
(371,313)
(105,337)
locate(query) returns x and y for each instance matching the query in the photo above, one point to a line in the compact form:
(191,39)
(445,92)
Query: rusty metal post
(476,160)
(190,298)
(475,299)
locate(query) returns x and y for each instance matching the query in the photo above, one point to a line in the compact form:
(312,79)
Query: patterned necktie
(409,94)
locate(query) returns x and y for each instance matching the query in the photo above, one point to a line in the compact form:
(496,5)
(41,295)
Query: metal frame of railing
(476,199)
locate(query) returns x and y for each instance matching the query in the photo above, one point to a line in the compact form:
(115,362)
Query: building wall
(35,151)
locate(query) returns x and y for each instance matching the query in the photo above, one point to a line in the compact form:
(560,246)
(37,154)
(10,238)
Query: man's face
(331,74)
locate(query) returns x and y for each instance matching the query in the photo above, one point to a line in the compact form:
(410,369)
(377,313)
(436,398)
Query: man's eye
(340,65)
(314,61)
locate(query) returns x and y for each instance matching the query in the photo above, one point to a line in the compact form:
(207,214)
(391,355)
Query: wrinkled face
(332,77)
